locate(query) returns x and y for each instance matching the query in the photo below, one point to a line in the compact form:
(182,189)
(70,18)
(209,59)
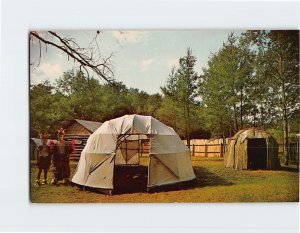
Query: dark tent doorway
(257,153)
(130,175)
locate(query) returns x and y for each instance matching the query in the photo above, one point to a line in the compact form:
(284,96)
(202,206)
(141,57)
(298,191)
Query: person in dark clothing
(43,159)
(61,159)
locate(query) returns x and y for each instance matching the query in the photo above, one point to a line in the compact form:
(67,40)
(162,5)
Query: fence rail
(207,148)
(216,148)
(294,150)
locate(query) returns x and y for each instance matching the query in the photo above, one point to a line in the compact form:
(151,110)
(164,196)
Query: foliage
(47,109)
(180,94)
(225,85)
(253,81)
(279,53)
(75,96)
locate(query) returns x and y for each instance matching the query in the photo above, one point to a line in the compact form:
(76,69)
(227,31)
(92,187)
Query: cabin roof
(91,126)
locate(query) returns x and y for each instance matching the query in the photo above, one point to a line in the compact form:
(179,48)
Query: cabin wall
(79,135)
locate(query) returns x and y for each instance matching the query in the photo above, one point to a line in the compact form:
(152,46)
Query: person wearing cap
(61,159)
(43,159)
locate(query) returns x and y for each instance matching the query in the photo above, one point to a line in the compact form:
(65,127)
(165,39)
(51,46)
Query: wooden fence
(294,150)
(216,148)
(198,147)
(208,148)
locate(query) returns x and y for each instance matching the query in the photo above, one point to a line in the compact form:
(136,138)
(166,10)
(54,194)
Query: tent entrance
(257,153)
(130,148)
(131,163)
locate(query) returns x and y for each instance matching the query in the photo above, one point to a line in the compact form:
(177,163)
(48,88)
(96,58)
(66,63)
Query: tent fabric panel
(251,133)
(128,153)
(142,124)
(129,149)
(87,162)
(117,126)
(119,160)
(90,169)
(185,167)
(169,162)
(159,174)
(159,128)
(240,154)
(135,124)
(230,154)
(244,164)
(102,176)
(136,137)
(149,125)
(166,144)
(81,173)
(172,168)
(104,144)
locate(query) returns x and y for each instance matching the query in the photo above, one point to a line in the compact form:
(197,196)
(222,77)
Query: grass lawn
(214,183)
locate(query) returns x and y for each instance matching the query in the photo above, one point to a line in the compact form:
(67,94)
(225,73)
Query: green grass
(214,183)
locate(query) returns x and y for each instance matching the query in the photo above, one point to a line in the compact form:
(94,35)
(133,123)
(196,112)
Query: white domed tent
(169,158)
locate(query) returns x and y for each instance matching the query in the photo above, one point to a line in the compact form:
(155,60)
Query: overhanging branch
(84,58)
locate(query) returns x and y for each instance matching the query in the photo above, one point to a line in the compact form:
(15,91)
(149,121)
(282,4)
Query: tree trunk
(261,115)
(241,102)
(235,123)
(187,122)
(254,117)
(284,113)
(285,125)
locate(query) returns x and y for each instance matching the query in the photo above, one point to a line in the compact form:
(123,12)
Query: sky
(141,59)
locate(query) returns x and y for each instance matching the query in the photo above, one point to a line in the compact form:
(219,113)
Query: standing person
(61,159)
(43,159)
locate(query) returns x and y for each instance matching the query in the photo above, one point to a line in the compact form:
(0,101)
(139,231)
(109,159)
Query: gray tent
(252,149)
(169,158)
(34,144)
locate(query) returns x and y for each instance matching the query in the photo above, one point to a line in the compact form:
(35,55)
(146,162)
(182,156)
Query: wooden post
(126,152)
(193,150)
(142,149)
(221,150)
(205,150)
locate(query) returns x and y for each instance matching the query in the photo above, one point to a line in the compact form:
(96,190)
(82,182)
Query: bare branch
(84,56)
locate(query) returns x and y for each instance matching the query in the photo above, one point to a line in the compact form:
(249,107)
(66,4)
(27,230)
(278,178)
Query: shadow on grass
(289,169)
(134,179)
(204,178)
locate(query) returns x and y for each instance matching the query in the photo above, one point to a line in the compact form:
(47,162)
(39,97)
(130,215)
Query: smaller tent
(252,149)
(34,144)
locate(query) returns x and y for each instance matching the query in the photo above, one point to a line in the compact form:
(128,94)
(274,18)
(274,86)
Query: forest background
(252,81)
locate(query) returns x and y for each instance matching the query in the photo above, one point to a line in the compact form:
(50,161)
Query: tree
(153,104)
(280,56)
(181,90)
(90,100)
(88,58)
(224,86)
(47,109)
(137,100)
